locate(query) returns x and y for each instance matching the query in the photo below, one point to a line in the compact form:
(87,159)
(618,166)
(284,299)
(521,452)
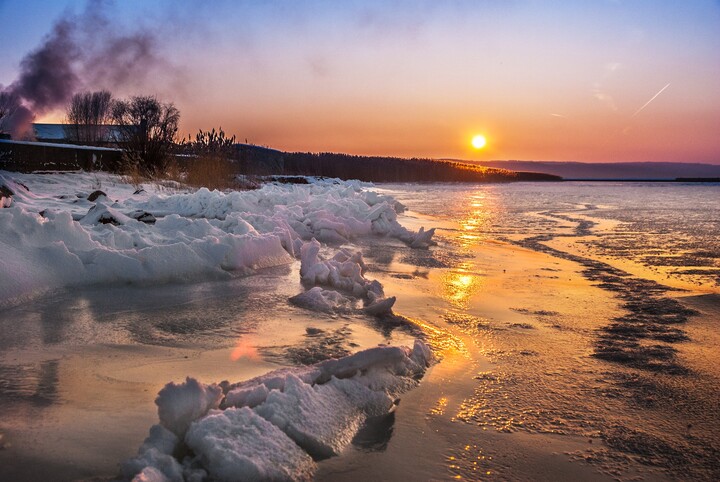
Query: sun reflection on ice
(459,286)
(245,348)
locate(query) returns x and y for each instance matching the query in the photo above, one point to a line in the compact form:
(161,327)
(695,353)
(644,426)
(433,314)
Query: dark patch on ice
(658,358)
(108,218)
(422,259)
(143,217)
(524,326)
(642,337)
(95,195)
(36,383)
(318,345)
(693,461)
(375,434)
(528,353)
(467,323)
(6,191)
(526,311)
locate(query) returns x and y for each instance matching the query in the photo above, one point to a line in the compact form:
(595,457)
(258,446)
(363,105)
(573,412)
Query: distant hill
(262,160)
(620,170)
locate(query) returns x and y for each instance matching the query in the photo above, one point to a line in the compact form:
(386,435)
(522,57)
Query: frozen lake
(566,345)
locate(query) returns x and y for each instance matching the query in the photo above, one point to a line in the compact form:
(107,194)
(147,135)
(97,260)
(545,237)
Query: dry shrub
(210,171)
(132,174)
(173,171)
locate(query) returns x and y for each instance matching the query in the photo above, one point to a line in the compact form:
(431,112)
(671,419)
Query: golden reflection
(469,463)
(441,341)
(475,223)
(459,286)
(439,407)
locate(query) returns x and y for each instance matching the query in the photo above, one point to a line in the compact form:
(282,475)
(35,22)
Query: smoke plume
(82,52)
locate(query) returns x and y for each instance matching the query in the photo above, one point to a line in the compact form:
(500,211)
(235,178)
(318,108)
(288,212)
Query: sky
(589,81)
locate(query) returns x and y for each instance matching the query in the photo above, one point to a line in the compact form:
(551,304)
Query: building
(97,135)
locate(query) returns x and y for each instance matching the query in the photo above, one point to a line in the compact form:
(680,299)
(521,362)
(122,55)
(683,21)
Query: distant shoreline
(678,180)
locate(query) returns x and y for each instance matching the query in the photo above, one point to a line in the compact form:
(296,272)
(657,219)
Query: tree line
(395,169)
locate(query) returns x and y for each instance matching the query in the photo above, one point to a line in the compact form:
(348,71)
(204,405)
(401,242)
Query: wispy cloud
(599,92)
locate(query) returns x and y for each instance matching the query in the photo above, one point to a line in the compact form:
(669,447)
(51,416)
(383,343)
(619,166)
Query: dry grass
(131,174)
(208,171)
(212,172)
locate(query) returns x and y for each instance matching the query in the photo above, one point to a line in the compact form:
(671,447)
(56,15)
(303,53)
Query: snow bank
(275,426)
(52,235)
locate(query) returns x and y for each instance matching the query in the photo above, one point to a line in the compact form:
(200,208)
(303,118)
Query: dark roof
(65,132)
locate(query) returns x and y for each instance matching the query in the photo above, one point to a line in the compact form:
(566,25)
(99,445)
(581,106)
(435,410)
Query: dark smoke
(82,52)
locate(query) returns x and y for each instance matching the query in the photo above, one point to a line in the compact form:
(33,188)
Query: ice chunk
(371,402)
(421,354)
(155,459)
(153,465)
(161,439)
(319,299)
(197,234)
(321,419)
(345,272)
(247,397)
(238,444)
(380,306)
(298,413)
(180,404)
(393,358)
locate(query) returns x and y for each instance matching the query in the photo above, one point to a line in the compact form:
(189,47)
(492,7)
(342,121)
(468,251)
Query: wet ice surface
(57,360)
(580,349)
(630,365)
(660,224)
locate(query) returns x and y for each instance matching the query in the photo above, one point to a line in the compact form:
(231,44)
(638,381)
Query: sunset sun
(479,141)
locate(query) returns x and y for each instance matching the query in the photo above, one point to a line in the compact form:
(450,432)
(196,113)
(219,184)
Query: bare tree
(87,113)
(148,129)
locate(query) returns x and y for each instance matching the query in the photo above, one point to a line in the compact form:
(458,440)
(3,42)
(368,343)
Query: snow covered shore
(68,229)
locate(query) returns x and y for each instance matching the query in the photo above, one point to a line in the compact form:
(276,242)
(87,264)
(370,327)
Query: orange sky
(547,80)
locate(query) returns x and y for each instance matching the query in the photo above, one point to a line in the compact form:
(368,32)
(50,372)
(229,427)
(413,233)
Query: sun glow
(479,141)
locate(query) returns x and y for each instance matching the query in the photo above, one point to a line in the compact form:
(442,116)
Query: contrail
(651,99)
